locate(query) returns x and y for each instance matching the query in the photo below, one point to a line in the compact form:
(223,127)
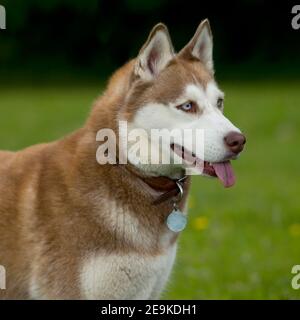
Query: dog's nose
(235,141)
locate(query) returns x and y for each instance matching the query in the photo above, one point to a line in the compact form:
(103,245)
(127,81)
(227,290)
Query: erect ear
(201,46)
(155,54)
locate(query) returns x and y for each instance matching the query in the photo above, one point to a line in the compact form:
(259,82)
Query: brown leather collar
(169,187)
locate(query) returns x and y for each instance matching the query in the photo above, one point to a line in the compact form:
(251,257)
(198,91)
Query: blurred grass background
(240,242)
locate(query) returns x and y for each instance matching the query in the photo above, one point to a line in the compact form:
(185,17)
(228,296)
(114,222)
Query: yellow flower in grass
(294,230)
(201,223)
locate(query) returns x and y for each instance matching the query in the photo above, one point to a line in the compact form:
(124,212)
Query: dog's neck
(165,187)
(106,109)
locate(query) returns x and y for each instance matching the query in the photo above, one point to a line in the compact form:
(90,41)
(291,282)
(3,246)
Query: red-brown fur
(53,196)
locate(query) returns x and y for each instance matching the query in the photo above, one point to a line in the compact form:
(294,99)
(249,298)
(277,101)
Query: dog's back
(20,178)
(14,168)
(32,192)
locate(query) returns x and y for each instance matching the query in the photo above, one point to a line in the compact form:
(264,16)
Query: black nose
(235,141)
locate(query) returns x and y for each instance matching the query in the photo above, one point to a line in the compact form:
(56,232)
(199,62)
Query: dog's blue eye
(188,107)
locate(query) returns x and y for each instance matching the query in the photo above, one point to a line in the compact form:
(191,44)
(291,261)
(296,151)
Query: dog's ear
(155,54)
(201,46)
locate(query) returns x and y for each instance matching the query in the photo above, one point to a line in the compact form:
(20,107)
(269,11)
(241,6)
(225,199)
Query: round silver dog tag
(176,221)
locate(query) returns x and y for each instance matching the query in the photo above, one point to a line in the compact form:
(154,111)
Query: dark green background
(253,38)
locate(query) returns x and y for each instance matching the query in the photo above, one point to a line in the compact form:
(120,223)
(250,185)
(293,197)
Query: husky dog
(71,228)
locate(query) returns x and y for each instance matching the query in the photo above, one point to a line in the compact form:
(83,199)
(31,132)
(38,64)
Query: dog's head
(178,91)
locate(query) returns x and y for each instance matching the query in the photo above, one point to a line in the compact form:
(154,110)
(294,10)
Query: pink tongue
(225,173)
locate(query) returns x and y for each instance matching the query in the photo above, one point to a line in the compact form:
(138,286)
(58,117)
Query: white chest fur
(130,276)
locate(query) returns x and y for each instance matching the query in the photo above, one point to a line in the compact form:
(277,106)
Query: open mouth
(222,170)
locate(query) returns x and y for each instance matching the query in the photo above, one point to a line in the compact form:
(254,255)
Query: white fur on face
(209,119)
(215,125)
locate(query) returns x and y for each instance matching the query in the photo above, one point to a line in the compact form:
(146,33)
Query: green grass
(241,242)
